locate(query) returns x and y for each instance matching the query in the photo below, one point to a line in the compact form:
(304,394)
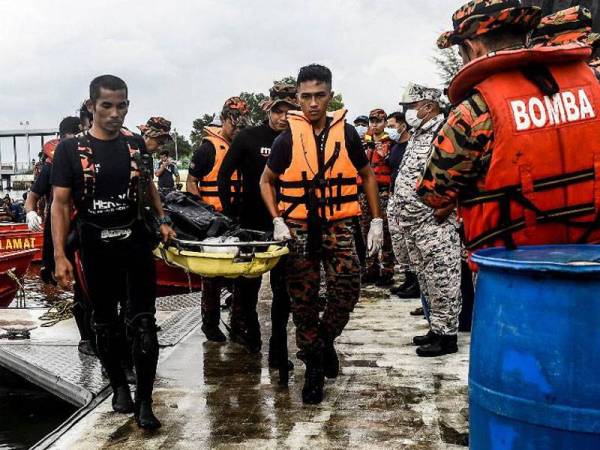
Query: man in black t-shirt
(315,165)
(247,156)
(167,173)
(105,174)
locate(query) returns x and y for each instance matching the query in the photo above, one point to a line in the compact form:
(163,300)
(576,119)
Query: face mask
(412,119)
(393,134)
(361,130)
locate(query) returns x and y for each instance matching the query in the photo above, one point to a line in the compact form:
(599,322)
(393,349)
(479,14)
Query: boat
(171,280)
(16,236)
(13,266)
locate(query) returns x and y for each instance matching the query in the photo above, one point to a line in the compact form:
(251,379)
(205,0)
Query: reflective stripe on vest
(336,192)
(86,156)
(543,182)
(208,185)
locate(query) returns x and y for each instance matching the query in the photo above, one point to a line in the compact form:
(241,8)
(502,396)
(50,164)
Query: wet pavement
(219,396)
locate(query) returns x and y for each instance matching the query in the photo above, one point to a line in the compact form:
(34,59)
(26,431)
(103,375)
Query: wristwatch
(164,220)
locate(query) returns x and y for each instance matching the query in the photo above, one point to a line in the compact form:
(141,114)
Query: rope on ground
(61,310)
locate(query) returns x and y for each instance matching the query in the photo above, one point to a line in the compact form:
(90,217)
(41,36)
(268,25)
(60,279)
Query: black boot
(312,392)
(278,355)
(441,344)
(213,332)
(417,312)
(331,362)
(144,416)
(425,339)
(145,356)
(385,281)
(410,287)
(369,278)
(107,345)
(121,401)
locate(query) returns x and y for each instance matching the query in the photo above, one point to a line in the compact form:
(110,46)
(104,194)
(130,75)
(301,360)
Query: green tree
(257,115)
(184,148)
(197,127)
(448,63)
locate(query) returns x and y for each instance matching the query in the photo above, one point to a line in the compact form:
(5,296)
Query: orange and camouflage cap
(280,93)
(156,127)
(564,27)
(479,17)
(235,108)
(378,114)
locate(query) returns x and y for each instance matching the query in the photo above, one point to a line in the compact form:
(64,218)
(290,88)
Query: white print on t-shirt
(265,151)
(563,107)
(117,204)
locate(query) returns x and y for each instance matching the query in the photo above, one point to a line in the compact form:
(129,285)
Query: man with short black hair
(167,170)
(315,163)
(106,174)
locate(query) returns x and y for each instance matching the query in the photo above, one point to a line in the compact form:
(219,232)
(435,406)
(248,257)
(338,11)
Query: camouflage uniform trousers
(384,263)
(435,255)
(397,234)
(342,275)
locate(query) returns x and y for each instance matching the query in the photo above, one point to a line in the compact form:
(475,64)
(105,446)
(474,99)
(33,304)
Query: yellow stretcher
(251,260)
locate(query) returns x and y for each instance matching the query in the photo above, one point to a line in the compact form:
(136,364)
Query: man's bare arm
(31,202)
(268,192)
(61,221)
(191,185)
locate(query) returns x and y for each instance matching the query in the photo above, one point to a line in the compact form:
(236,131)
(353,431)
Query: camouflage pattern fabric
(564,27)
(414,93)
(460,155)
(342,275)
(396,234)
(434,252)
(156,127)
(482,16)
(382,264)
(378,114)
(280,93)
(415,158)
(235,108)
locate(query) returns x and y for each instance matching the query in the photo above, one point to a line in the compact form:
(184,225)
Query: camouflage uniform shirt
(460,155)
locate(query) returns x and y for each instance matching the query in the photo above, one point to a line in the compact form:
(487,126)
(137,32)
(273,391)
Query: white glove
(375,236)
(34,222)
(281,232)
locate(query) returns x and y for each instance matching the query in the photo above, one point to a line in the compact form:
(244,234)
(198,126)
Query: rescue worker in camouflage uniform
(431,237)
(567,26)
(315,164)
(202,181)
(378,269)
(156,133)
(496,141)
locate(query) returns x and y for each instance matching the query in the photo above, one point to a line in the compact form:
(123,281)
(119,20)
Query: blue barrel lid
(574,259)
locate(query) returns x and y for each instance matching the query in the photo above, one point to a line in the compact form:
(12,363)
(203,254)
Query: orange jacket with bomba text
(209,191)
(324,176)
(543,182)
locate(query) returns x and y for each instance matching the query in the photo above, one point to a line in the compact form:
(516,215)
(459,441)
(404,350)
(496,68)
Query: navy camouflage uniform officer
(316,164)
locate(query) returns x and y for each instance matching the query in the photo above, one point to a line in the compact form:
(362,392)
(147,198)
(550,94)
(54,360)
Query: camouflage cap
(280,93)
(235,107)
(378,114)
(564,27)
(417,93)
(156,127)
(479,17)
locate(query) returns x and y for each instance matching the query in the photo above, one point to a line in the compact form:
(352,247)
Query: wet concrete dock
(219,396)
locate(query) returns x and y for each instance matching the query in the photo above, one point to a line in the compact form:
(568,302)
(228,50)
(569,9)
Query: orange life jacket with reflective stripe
(543,182)
(209,191)
(378,154)
(324,178)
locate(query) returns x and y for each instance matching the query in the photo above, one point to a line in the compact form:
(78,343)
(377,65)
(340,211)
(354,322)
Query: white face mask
(412,119)
(361,130)
(393,134)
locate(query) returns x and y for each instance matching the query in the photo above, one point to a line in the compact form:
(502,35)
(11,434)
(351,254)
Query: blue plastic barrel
(534,379)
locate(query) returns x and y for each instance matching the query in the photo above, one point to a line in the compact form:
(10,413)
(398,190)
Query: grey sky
(184,58)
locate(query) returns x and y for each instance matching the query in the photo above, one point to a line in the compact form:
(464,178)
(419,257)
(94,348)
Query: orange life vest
(209,191)
(378,154)
(543,182)
(326,176)
(86,156)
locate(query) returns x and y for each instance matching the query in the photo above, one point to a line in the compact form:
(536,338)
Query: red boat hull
(173,281)
(16,236)
(17,263)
